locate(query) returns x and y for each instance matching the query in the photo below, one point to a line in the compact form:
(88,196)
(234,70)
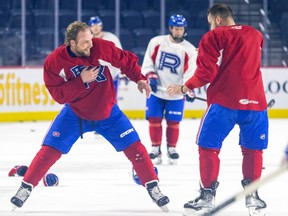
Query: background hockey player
(77,75)
(168,59)
(229,59)
(96,27)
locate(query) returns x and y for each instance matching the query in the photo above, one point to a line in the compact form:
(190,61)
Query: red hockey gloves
(18,170)
(153,80)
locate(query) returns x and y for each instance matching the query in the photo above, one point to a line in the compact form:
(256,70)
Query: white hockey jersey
(112,37)
(115,72)
(174,63)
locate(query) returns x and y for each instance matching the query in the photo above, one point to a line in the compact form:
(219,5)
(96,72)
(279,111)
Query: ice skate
(255,205)
(173,156)
(156,195)
(22,195)
(156,155)
(202,204)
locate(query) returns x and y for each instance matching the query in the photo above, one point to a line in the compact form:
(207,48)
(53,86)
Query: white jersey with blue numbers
(174,63)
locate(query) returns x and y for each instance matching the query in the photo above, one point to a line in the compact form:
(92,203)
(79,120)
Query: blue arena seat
(16,4)
(108,18)
(4,17)
(126,39)
(43,5)
(131,19)
(68,5)
(142,36)
(110,4)
(194,35)
(43,18)
(92,5)
(151,19)
(66,17)
(140,52)
(139,5)
(16,16)
(86,14)
(44,41)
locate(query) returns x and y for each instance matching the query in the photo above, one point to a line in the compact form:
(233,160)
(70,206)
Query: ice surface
(96,180)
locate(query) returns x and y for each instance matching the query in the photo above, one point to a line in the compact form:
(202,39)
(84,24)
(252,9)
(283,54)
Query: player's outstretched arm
(177,90)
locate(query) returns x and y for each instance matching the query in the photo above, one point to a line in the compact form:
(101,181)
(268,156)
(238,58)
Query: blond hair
(72,31)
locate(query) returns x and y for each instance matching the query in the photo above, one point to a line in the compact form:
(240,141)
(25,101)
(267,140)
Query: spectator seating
(140,52)
(43,18)
(194,35)
(131,19)
(45,41)
(151,19)
(127,39)
(142,36)
(108,18)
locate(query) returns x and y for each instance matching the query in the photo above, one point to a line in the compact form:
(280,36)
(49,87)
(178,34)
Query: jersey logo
(247,101)
(76,70)
(125,133)
(169,61)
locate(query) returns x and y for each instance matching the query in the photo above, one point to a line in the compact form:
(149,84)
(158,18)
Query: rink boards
(24,97)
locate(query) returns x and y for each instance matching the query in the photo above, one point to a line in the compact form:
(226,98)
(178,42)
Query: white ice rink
(96,180)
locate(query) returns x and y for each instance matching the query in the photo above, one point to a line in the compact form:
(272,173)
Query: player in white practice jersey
(96,27)
(168,59)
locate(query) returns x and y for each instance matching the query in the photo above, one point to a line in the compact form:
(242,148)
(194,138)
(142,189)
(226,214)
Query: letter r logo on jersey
(170,61)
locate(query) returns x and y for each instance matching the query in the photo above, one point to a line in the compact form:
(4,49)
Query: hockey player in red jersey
(229,58)
(77,75)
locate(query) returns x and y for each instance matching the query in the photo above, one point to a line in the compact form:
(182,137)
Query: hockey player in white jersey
(96,26)
(169,59)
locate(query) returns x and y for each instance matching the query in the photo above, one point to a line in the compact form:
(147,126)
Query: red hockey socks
(172,133)
(141,162)
(209,166)
(41,163)
(252,163)
(155,131)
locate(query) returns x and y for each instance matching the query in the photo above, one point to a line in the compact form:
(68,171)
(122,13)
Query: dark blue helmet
(177,20)
(96,20)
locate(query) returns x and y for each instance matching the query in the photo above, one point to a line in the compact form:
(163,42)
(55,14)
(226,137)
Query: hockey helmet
(177,20)
(96,20)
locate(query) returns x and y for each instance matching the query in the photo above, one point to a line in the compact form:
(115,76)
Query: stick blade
(271,103)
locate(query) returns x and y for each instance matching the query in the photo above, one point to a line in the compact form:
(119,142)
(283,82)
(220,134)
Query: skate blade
(256,212)
(193,212)
(14,207)
(164,208)
(172,161)
(157,161)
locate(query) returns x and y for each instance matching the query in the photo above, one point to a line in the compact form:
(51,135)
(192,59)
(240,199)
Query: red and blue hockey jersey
(229,59)
(91,101)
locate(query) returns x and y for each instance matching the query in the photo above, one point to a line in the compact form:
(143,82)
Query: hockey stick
(271,103)
(197,98)
(249,189)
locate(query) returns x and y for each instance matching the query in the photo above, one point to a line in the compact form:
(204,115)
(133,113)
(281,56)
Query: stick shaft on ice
(251,188)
